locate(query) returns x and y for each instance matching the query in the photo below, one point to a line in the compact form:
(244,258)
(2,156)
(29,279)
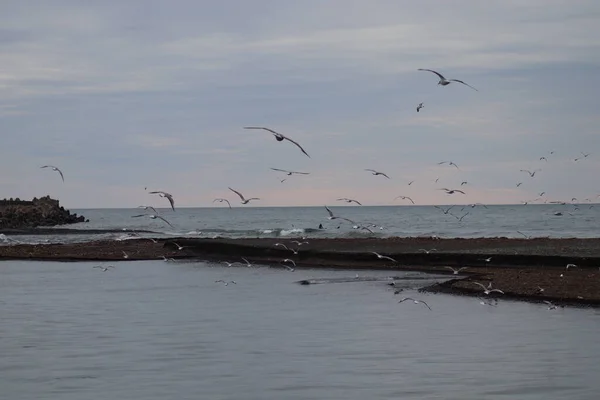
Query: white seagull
(178,246)
(299,243)
(290,172)
(168,196)
(443,81)
(149,208)
(331,216)
(287,266)
(244,200)
(248,264)
(377,173)
(420,106)
(488,289)
(225,283)
(405,198)
(383,257)
(551,306)
(220,200)
(349,200)
(55,169)
(571,266)
(152,216)
(427,251)
(456,271)
(287,248)
(278,136)
(415,301)
(103,268)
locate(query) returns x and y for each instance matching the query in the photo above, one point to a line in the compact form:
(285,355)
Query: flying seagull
(287,266)
(244,201)
(278,136)
(427,251)
(383,257)
(103,268)
(167,195)
(377,173)
(149,208)
(285,247)
(488,289)
(405,198)
(449,163)
(420,106)
(152,216)
(456,271)
(55,169)
(531,173)
(443,81)
(444,211)
(290,172)
(349,200)
(220,200)
(331,216)
(415,301)
(452,191)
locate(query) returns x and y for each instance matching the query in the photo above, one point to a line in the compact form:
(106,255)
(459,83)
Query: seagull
(420,106)
(290,172)
(287,248)
(55,169)
(228,263)
(220,200)
(526,236)
(148,208)
(539,290)
(377,173)
(452,191)
(415,301)
(287,266)
(410,183)
(283,180)
(571,266)
(152,216)
(449,163)
(125,255)
(225,283)
(103,268)
(584,156)
(278,136)
(543,158)
(551,306)
(178,246)
(541,194)
(519,184)
(331,216)
(444,211)
(443,81)
(456,271)
(531,174)
(167,195)
(487,259)
(299,243)
(460,218)
(349,200)
(244,201)
(383,257)
(405,198)
(488,289)
(427,251)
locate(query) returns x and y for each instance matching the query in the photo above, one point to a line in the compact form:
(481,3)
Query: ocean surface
(532,220)
(166,330)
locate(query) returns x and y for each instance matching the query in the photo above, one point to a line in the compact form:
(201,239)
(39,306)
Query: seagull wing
(159,217)
(238,193)
(228,203)
(381,173)
(61,174)
(329,211)
(357,202)
(171,201)
(263,128)
(466,84)
(479,284)
(370,170)
(157,192)
(297,144)
(422,302)
(430,70)
(459,191)
(411,200)
(280,170)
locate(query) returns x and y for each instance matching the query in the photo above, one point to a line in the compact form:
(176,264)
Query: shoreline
(516,266)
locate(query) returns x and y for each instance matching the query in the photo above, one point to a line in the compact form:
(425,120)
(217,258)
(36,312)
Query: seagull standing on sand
(488,289)
(55,169)
(415,301)
(168,196)
(383,257)
(278,136)
(443,81)
(405,198)
(420,106)
(349,200)
(377,173)
(244,201)
(220,200)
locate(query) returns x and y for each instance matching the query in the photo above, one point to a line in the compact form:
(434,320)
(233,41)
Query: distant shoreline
(516,266)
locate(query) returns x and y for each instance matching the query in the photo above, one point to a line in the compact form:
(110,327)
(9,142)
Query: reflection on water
(155,330)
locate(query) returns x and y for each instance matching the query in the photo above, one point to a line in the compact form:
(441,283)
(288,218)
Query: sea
(193,329)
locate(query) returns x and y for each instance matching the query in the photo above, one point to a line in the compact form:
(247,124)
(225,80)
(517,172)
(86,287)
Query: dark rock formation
(18,214)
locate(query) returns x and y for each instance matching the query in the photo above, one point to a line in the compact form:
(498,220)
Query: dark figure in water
(320,226)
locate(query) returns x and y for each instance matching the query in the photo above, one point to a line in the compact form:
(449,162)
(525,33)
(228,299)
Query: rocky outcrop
(18,214)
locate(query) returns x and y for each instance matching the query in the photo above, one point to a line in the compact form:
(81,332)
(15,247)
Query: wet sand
(516,266)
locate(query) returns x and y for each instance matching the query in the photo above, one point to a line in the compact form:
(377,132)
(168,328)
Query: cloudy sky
(123,95)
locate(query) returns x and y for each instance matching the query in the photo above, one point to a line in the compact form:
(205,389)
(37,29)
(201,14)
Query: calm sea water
(155,330)
(531,220)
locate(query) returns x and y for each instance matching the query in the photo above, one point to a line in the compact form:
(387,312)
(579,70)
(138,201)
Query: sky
(123,96)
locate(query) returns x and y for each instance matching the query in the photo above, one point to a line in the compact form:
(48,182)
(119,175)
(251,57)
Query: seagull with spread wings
(377,173)
(220,200)
(279,137)
(443,81)
(347,200)
(290,172)
(168,196)
(55,169)
(244,200)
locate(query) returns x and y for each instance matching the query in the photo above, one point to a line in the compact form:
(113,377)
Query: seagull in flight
(456,271)
(488,289)
(415,301)
(149,208)
(104,268)
(584,156)
(460,218)
(244,200)
(55,169)
(299,243)
(383,257)
(178,246)
(405,198)
(519,184)
(152,216)
(449,163)
(551,306)
(444,211)
(443,81)
(377,173)
(290,172)
(571,266)
(349,200)
(287,248)
(287,266)
(248,264)
(420,106)
(220,200)
(452,191)
(331,216)
(225,283)
(543,158)
(427,251)
(531,173)
(278,136)
(167,195)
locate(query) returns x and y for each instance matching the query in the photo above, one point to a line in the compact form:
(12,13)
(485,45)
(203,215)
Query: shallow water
(156,330)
